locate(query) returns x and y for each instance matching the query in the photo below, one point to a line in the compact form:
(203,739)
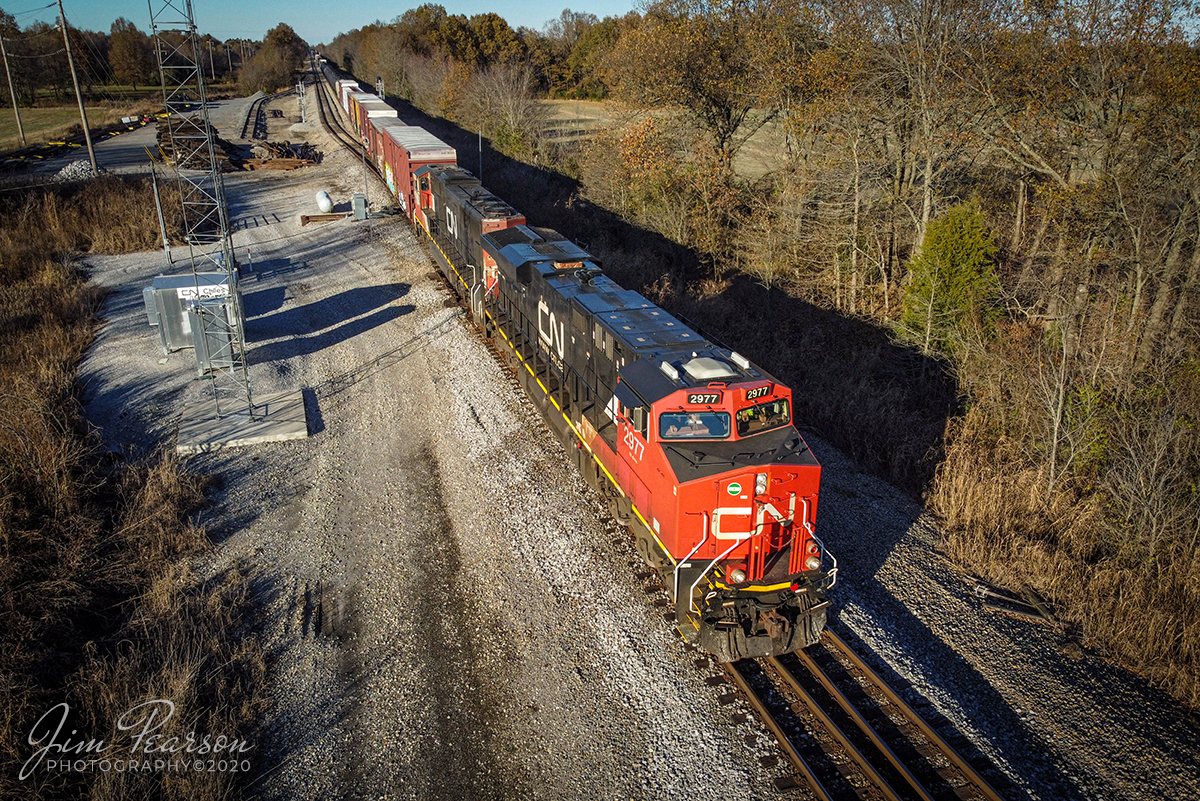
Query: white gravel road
(448,613)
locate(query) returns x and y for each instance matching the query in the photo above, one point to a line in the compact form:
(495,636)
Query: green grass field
(41,124)
(47,123)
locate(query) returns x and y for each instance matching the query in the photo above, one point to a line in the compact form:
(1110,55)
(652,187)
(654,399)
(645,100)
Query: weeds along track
(847,734)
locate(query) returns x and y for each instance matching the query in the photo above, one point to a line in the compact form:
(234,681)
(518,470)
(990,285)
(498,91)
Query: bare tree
(502,99)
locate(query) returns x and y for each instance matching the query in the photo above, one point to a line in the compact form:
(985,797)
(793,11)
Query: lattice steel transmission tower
(216,309)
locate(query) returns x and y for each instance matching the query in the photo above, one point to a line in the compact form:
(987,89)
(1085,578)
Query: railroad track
(847,734)
(333,123)
(254,116)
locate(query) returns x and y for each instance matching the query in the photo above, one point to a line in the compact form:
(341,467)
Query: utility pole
(87,135)
(212,71)
(11,92)
(366,192)
(229,54)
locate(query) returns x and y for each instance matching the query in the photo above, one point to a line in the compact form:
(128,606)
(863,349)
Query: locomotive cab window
(763,417)
(640,421)
(693,425)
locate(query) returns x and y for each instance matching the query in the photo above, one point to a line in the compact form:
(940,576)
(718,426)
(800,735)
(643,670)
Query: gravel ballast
(448,612)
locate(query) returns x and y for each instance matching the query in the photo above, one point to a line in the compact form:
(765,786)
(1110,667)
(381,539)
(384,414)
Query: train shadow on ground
(312,327)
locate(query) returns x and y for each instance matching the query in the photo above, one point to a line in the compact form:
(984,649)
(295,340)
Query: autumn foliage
(1009,192)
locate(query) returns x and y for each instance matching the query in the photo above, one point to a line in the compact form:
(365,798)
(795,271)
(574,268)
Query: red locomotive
(694,446)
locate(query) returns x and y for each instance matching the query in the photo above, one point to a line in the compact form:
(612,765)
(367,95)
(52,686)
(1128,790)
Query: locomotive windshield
(763,417)
(693,425)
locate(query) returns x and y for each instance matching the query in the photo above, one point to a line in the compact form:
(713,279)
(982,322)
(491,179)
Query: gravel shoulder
(448,612)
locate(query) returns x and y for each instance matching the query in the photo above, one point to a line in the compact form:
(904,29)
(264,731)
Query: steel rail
(768,720)
(251,123)
(332,123)
(855,754)
(329,120)
(909,713)
(854,715)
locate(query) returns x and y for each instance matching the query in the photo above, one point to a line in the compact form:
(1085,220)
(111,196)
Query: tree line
(1010,189)
(125,56)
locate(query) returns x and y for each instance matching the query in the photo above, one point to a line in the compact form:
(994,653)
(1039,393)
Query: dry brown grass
(1114,546)
(101,607)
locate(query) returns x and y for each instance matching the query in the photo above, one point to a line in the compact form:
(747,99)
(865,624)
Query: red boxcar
(407,149)
(367,108)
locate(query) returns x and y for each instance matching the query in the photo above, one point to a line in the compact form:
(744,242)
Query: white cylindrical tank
(324,202)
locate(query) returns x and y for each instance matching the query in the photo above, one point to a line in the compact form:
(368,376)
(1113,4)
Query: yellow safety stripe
(575,431)
(444,256)
(757,587)
(546,391)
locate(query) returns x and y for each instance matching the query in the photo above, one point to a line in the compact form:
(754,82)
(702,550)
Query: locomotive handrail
(548,381)
(696,583)
(681,562)
(808,527)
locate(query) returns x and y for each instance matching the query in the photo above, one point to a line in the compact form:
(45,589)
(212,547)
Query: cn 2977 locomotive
(693,446)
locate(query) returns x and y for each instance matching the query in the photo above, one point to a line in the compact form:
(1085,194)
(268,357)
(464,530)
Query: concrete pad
(278,417)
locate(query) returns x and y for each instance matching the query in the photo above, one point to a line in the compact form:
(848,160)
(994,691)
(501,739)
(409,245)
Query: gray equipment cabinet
(168,299)
(214,342)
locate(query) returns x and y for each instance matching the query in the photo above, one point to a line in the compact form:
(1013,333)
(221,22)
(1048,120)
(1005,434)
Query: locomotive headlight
(737,576)
(760,484)
(812,562)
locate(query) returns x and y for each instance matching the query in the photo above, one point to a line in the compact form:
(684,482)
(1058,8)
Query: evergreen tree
(952,281)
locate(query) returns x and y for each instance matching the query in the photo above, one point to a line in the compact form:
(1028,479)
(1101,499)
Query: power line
(16,14)
(39,55)
(43,32)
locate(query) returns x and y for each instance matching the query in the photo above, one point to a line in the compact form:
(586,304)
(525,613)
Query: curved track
(254,115)
(331,119)
(857,737)
(251,124)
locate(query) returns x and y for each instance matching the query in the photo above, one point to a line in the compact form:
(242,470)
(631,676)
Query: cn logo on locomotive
(554,338)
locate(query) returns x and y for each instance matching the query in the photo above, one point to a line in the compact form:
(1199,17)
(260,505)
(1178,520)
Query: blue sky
(315,20)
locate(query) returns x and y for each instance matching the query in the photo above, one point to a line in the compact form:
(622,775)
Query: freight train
(693,446)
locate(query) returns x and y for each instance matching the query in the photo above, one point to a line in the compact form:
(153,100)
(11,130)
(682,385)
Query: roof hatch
(706,368)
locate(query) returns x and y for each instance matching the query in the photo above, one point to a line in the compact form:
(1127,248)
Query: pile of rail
(187,156)
(286,156)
